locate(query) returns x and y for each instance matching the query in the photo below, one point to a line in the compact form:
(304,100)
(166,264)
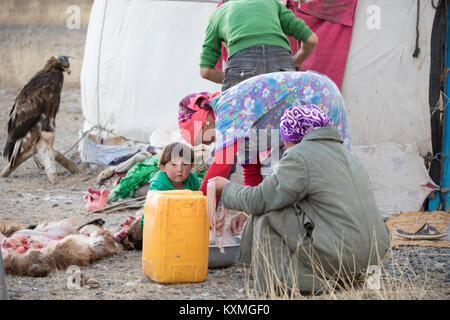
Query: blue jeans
(256,60)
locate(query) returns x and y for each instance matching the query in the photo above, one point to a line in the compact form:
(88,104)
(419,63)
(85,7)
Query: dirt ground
(31,32)
(26,41)
(29,198)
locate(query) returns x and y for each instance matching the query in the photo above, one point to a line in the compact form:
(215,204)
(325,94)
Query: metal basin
(217,259)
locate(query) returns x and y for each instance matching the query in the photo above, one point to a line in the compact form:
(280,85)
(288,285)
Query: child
(175,162)
(316,217)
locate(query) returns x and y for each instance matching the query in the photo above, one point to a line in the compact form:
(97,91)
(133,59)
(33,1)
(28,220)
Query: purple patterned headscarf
(297,122)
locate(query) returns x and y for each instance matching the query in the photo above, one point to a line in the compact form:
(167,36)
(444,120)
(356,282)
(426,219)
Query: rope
(436,6)
(82,137)
(439,103)
(417,49)
(86,132)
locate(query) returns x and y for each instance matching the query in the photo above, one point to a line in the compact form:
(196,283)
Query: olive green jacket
(318,182)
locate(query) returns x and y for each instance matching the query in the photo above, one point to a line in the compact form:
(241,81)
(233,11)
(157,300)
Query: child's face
(177,170)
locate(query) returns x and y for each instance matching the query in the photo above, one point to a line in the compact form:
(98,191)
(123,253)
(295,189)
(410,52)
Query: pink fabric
(223,57)
(332,21)
(193,110)
(96,199)
(190,129)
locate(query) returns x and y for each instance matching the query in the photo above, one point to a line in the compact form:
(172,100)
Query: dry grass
(32,31)
(35,12)
(400,283)
(28,49)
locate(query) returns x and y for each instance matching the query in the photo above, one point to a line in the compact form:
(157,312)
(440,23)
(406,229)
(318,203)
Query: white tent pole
(98,63)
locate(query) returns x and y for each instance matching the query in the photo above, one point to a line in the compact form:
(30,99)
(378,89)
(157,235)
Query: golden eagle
(32,117)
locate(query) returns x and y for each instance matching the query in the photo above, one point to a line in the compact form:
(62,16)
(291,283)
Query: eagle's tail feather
(8,150)
(11,151)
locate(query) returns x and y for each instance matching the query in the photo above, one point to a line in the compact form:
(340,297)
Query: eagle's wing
(42,92)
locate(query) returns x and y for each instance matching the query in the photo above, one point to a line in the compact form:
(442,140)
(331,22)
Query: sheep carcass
(55,245)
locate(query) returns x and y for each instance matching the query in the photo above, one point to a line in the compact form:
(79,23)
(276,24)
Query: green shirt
(161,182)
(241,24)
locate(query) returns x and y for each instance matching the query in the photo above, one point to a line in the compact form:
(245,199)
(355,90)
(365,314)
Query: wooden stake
(66,163)
(118,204)
(22,158)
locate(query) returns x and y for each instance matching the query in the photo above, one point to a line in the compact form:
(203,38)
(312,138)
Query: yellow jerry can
(176,236)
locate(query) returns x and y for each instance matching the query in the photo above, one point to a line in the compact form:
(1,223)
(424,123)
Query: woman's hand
(220,184)
(236,224)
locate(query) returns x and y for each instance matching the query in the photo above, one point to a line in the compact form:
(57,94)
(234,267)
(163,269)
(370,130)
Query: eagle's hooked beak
(65,63)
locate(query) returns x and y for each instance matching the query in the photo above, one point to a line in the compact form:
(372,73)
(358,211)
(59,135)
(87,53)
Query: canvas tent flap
(399,179)
(141,58)
(384,87)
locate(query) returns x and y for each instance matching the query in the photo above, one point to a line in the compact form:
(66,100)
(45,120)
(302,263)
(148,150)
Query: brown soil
(30,32)
(29,198)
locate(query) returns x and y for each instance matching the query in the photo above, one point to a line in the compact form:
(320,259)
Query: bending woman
(253,109)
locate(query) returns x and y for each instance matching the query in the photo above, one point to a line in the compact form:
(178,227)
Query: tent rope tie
(86,132)
(417,49)
(436,6)
(82,137)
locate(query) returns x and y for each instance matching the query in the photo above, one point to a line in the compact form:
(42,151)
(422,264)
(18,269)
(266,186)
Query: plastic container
(176,236)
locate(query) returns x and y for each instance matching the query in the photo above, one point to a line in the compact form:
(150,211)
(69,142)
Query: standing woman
(254,34)
(255,106)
